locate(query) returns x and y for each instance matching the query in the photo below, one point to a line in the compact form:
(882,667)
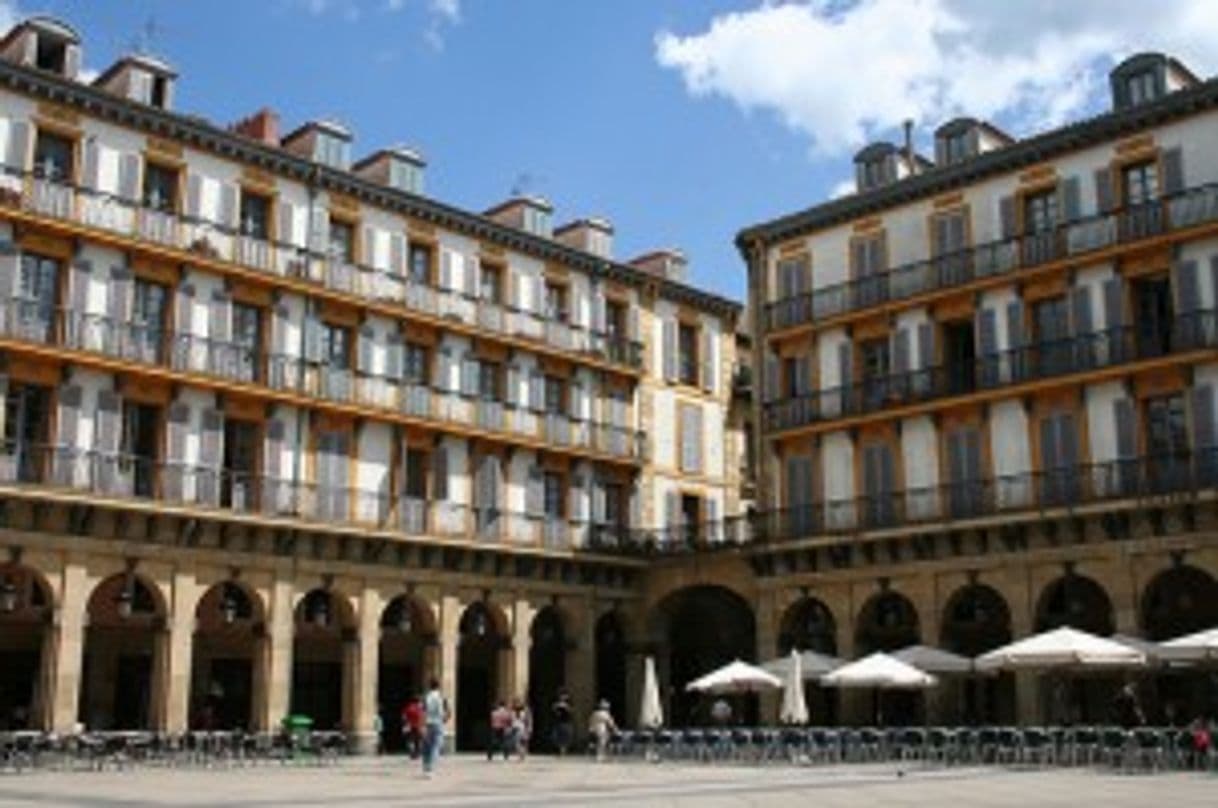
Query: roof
(591,221)
(202,134)
(521,199)
(150,63)
(940,179)
(329,127)
(964,123)
(400,152)
(44,23)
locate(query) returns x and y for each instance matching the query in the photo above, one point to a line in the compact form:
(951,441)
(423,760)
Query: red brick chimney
(263,125)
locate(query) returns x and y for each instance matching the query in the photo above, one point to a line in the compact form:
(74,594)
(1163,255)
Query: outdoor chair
(1008,745)
(910,744)
(870,745)
(692,744)
(1037,747)
(1115,747)
(718,744)
(940,746)
(987,745)
(742,743)
(795,742)
(663,744)
(767,744)
(1149,749)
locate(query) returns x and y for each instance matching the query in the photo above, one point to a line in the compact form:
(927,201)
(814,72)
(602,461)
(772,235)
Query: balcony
(118,476)
(30,322)
(1088,352)
(1148,478)
(1178,212)
(195,238)
(724,534)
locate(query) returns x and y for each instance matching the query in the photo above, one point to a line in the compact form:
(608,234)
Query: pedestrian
(564,723)
(501,726)
(602,727)
(378,730)
(522,728)
(721,712)
(435,715)
(1202,741)
(413,726)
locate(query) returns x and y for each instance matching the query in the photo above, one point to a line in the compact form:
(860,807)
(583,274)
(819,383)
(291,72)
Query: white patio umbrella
(881,671)
(1154,651)
(934,660)
(794,705)
(812,664)
(651,715)
(736,677)
(1062,648)
(1201,646)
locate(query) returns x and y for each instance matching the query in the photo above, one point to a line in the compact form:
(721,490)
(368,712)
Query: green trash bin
(297,728)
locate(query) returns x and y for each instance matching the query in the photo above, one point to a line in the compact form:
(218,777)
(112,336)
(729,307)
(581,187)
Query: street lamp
(228,604)
(8,595)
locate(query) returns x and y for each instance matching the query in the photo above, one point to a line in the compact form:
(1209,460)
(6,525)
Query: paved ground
(469,781)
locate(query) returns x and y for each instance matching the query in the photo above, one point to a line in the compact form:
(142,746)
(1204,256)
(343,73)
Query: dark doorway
(977,620)
(132,689)
(407,630)
(889,622)
(611,665)
(481,642)
(317,691)
(25,614)
(229,698)
(547,674)
(959,357)
(1079,602)
(325,625)
(1153,316)
(808,625)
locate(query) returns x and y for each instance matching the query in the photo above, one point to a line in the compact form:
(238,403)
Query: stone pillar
(1028,710)
(629,712)
(581,663)
(516,683)
(367,671)
(767,648)
(178,641)
(450,638)
(67,642)
(278,666)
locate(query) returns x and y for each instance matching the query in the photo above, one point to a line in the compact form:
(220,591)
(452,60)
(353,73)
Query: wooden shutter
(672,510)
(1049,454)
(79,279)
(1173,170)
(900,351)
(1080,311)
(368,256)
(987,332)
(447,281)
(18,153)
(1114,303)
(363,354)
(535,492)
(1188,292)
(194,196)
(183,309)
(287,223)
(710,360)
(691,438)
(439,473)
(1015,335)
(1104,191)
(1006,216)
(129,176)
(1125,424)
(109,422)
(319,229)
(395,357)
(939,236)
(670,349)
(118,295)
(211,455)
(1071,205)
(313,330)
(230,205)
(398,254)
(512,389)
(926,345)
(1203,418)
(469,376)
(67,431)
(1068,440)
(91,170)
(177,428)
(220,317)
(471,275)
(537,391)
(845,369)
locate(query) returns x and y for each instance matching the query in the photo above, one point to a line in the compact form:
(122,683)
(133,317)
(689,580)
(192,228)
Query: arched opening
(976,620)
(483,640)
(408,638)
(702,628)
(25,617)
(611,664)
(808,625)
(1079,602)
(229,641)
(323,658)
(1179,601)
(123,641)
(547,673)
(889,622)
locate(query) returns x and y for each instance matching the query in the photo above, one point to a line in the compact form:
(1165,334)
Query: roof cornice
(1016,156)
(202,134)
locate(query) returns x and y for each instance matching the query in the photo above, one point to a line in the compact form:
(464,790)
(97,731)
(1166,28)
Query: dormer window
(536,221)
(876,173)
(405,177)
(875,166)
(1142,87)
(159,95)
(957,147)
(52,55)
(332,151)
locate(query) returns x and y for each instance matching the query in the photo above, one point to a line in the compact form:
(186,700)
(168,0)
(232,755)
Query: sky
(681,121)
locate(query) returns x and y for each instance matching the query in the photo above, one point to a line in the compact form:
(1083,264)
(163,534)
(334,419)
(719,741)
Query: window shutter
(313,338)
(91,169)
(68,418)
(632,323)
(272,463)
(714,530)
(539,295)
(577,499)
(858,259)
(575,391)
(1071,204)
(177,428)
(1015,335)
(220,318)
(279,326)
(670,349)
(1126,426)
(129,176)
(537,391)
(230,205)
(1203,418)
(512,391)
(535,492)
(1173,171)
(363,355)
(446,269)
(900,351)
(926,345)
(599,310)
(18,154)
(1080,311)
(368,256)
(108,431)
(1114,303)
(691,438)
(1049,454)
(845,369)
(10,268)
(445,370)
(398,253)
(771,389)
(183,310)
(940,238)
(1188,293)
(469,377)
(599,514)
(439,473)
(79,280)
(319,229)
(803,376)
(1104,196)
(287,223)
(118,303)
(710,358)
(987,332)
(211,455)
(471,275)
(1068,437)
(1006,216)
(957,471)
(672,510)
(972,455)
(395,357)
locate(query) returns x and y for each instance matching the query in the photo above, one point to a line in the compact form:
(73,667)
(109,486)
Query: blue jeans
(433,739)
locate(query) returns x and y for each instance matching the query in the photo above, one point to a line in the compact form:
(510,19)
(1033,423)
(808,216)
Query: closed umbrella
(736,677)
(794,705)
(651,715)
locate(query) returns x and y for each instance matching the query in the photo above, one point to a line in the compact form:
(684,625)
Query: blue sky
(680,121)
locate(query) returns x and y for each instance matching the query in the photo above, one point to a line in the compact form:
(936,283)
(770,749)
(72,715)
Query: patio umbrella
(881,671)
(812,664)
(1155,653)
(934,660)
(1201,646)
(794,706)
(736,677)
(651,715)
(1062,648)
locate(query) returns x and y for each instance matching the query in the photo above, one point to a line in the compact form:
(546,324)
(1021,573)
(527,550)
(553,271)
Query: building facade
(281,433)
(988,396)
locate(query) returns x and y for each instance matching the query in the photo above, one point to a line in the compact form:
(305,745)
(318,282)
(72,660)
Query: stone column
(767,648)
(1017,582)
(178,641)
(367,671)
(516,682)
(450,637)
(581,662)
(67,640)
(277,675)
(629,712)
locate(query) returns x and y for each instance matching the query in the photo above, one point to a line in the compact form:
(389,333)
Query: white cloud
(448,9)
(844,72)
(842,188)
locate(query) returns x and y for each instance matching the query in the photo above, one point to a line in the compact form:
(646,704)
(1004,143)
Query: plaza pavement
(470,781)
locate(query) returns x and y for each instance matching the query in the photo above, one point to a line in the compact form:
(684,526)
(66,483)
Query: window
(488,380)
(51,54)
(875,369)
(877,172)
(792,277)
(1040,212)
(53,157)
(415,464)
(691,510)
(238,483)
(415,363)
(687,354)
(1050,327)
(536,221)
(38,293)
(1142,87)
(332,151)
(247,337)
(27,410)
(342,241)
(419,268)
(336,346)
(552,485)
(957,146)
(139,443)
(160,88)
(148,317)
(1140,183)
(489,278)
(556,302)
(554,395)
(256,218)
(1166,433)
(160,188)
(615,504)
(790,376)
(405,177)
(615,319)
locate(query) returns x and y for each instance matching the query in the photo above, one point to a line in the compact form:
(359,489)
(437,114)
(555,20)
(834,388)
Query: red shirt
(412,714)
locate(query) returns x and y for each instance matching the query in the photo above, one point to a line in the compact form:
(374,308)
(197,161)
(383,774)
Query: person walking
(602,727)
(501,726)
(413,726)
(564,723)
(522,728)
(435,715)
